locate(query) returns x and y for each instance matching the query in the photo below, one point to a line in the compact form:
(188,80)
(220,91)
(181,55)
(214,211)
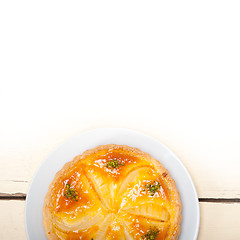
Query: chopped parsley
(153,187)
(71,193)
(114,163)
(151,234)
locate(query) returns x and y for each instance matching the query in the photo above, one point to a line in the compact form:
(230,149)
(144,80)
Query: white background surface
(169,69)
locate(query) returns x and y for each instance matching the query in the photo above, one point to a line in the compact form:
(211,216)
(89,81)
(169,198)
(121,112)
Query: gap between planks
(13,196)
(22,197)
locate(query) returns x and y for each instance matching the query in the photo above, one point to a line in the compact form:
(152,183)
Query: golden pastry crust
(114,203)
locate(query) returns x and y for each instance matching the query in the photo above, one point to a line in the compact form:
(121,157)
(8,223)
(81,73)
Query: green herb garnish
(151,234)
(114,163)
(71,193)
(153,188)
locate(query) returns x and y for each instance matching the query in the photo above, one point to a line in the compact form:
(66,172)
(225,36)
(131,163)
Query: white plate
(91,139)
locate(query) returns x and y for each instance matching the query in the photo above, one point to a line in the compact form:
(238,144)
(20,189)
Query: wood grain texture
(224,226)
(219,221)
(12,220)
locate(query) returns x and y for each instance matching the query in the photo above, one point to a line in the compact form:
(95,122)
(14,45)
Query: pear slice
(81,214)
(103,227)
(104,189)
(149,210)
(137,227)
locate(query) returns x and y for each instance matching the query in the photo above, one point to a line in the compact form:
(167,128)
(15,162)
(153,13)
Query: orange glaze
(81,235)
(115,232)
(64,204)
(127,160)
(85,234)
(138,190)
(140,226)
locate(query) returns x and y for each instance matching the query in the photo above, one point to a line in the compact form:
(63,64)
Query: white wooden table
(169,70)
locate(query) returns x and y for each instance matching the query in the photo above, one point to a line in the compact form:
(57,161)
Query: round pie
(112,192)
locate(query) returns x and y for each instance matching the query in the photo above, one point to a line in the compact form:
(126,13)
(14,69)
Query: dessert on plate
(112,192)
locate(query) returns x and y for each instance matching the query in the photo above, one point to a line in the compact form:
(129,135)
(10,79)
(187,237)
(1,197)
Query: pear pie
(112,192)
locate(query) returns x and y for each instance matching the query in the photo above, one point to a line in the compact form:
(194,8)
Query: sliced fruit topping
(103,189)
(149,210)
(115,230)
(74,192)
(132,178)
(76,204)
(108,170)
(143,184)
(114,163)
(80,224)
(103,227)
(73,235)
(142,228)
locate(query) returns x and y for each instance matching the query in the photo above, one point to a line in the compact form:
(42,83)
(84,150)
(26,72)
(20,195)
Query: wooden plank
(12,220)
(218,221)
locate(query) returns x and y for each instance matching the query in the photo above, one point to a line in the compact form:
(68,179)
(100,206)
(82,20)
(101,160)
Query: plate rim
(113,129)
